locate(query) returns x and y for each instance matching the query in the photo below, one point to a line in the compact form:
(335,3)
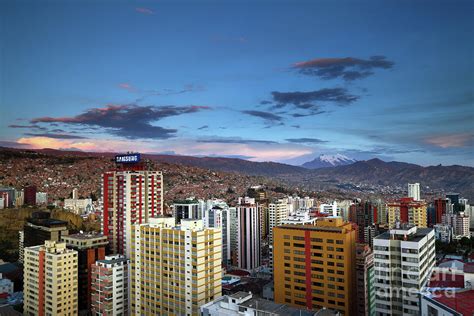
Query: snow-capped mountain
(325,161)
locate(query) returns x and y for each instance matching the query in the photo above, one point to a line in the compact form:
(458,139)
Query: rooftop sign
(128,158)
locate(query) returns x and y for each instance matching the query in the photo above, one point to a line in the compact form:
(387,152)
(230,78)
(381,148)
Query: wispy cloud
(264,115)
(339,96)
(55,135)
(306,140)
(129,121)
(33,126)
(451,141)
(348,68)
(145,93)
(203,127)
(146,11)
(235,141)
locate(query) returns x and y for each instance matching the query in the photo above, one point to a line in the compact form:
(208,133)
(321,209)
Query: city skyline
(391,80)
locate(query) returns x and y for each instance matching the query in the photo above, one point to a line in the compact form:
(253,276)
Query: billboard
(128,158)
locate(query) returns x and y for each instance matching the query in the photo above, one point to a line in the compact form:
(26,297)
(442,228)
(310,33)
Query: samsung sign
(129,158)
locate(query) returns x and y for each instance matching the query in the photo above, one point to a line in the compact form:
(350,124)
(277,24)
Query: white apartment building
(414,191)
(277,212)
(443,233)
(109,286)
(403,261)
(79,206)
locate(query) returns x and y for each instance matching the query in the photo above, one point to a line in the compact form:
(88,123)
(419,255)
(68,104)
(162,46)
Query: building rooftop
(462,301)
(85,236)
(441,279)
(275,308)
(47,222)
(113,259)
(240,295)
(415,237)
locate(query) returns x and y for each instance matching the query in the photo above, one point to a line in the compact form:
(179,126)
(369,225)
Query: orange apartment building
(314,266)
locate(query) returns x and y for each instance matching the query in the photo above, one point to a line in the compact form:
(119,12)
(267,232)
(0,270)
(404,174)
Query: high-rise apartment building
(50,280)
(129,196)
(364,214)
(174,269)
(246,232)
(39,228)
(365,281)
(90,248)
(277,212)
(440,206)
(414,191)
(110,288)
(403,259)
(219,217)
(409,211)
(314,266)
(459,222)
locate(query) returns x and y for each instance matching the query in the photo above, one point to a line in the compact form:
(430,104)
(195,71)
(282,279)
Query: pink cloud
(258,152)
(450,141)
(146,11)
(127,86)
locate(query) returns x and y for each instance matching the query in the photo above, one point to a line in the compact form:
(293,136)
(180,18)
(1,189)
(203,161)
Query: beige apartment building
(50,280)
(174,268)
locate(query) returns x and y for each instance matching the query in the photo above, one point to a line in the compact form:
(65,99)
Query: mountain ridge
(371,175)
(325,161)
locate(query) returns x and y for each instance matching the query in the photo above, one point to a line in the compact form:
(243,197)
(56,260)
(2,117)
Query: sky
(278,81)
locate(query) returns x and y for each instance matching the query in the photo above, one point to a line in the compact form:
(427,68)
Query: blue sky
(280,80)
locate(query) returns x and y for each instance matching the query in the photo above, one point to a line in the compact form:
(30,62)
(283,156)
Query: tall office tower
(219,217)
(453,197)
(129,196)
(403,259)
(186,209)
(39,228)
(407,210)
(264,219)
(109,291)
(460,223)
(431,215)
(30,195)
(175,269)
(440,205)
(365,280)
(247,235)
(414,191)
(50,282)
(90,248)
(364,215)
(314,266)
